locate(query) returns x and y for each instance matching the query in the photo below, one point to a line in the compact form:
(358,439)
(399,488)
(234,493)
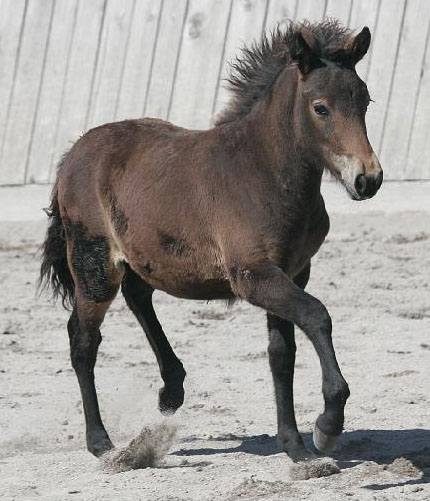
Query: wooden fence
(69,65)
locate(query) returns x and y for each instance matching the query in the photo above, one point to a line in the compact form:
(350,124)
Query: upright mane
(255,71)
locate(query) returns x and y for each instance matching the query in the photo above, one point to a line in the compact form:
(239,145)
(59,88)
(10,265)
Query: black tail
(54,270)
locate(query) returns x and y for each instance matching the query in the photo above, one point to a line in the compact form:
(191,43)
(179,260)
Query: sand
(372,274)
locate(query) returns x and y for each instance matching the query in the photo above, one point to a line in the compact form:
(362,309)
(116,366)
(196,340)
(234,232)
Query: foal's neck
(271,124)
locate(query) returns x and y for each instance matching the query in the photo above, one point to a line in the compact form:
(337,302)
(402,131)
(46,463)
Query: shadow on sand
(380,446)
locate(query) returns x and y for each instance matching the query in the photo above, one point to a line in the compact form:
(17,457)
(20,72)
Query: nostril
(360,184)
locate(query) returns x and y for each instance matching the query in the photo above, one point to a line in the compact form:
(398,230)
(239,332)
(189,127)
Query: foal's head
(330,111)
(308,74)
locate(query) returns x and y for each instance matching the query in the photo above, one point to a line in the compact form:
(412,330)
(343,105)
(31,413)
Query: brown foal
(231,212)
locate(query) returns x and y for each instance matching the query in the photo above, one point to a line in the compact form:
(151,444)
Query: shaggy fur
(254,72)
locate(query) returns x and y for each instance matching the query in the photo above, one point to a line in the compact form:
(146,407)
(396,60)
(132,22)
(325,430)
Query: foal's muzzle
(361,178)
(367,186)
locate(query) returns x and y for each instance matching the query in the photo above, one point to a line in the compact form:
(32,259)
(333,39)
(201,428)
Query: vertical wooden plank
(45,122)
(246,24)
(24,96)
(382,64)
(312,10)
(165,58)
(280,12)
(365,13)
(79,76)
(199,63)
(109,69)
(418,161)
(405,87)
(339,10)
(11,24)
(138,61)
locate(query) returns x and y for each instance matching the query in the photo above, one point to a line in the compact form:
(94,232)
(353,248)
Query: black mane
(255,71)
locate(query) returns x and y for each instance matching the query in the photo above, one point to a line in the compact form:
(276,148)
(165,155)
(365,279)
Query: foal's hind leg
(138,296)
(282,355)
(97,280)
(85,337)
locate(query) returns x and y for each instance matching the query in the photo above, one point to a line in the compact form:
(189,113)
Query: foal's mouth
(353,195)
(352,172)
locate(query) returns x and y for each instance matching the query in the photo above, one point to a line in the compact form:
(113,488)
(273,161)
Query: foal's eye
(321,110)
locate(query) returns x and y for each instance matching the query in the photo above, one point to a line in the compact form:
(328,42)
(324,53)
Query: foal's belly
(185,278)
(193,287)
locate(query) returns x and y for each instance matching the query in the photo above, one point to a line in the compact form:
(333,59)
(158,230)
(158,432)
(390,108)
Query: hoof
(295,449)
(324,443)
(169,400)
(98,443)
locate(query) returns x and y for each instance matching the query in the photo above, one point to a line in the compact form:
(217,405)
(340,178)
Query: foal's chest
(304,241)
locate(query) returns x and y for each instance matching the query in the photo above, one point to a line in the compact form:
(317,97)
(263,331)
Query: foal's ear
(359,46)
(305,51)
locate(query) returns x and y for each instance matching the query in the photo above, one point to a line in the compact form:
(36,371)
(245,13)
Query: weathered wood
(365,13)
(25,91)
(339,10)
(246,26)
(405,87)
(138,60)
(11,28)
(419,141)
(67,65)
(166,56)
(110,63)
(312,10)
(79,77)
(280,12)
(382,65)
(199,63)
(45,124)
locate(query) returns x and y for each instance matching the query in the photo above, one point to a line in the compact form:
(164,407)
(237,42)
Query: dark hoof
(170,399)
(323,442)
(296,450)
(98,442)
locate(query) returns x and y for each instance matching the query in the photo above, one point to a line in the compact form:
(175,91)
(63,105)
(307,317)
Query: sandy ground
(373,275)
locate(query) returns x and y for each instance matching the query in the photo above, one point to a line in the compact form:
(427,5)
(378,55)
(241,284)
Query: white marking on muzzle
(349,167)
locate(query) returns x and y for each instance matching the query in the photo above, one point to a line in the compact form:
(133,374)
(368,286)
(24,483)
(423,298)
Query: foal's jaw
(361,179)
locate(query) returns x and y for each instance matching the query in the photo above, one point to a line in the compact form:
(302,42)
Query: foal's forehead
(338,85)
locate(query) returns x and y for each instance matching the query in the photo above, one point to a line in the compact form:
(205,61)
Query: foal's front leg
(267,286)
(282,355)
